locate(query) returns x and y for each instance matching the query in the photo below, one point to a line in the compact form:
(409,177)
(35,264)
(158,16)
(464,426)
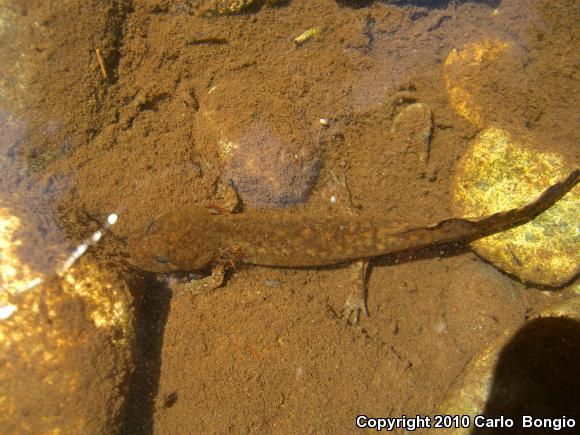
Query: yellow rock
(4,12)
(225,7)
(212,8)
(498,173)
(66,342)
(461,70)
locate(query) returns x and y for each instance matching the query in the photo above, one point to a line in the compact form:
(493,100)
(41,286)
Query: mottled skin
(193,238)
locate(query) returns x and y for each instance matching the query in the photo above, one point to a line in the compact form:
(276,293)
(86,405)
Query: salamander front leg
(196,286)
(356,303)
(227,202)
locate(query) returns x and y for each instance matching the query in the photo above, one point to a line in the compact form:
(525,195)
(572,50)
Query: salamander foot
(353,307)
(356,302)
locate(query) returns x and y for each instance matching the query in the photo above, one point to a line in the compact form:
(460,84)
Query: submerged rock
(530,371)
(233,7)
(268,171)
(487,84)
(498,173)
(66,341)
(269,160)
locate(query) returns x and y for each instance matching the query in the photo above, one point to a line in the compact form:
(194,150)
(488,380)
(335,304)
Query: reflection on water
(32,241)
(33,245)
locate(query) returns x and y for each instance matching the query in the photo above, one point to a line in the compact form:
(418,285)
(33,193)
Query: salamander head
(177,241)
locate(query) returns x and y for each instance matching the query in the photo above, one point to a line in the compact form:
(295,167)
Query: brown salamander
(193,238)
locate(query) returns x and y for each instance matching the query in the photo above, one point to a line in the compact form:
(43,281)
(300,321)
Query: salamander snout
(176,241)
(148,251)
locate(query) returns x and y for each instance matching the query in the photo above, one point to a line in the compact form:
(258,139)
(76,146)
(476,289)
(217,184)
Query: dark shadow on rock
(538,375)
(152,310)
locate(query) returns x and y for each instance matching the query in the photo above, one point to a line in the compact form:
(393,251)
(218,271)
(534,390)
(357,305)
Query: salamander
(192,238)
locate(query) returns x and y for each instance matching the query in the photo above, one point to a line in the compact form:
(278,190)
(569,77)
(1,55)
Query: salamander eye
(160,259)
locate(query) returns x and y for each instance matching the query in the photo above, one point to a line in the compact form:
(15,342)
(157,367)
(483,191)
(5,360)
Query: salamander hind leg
(356,302)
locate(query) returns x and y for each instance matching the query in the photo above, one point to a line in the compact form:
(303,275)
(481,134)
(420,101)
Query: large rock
(529,371)
(499,172)
(66,342)
(266,154)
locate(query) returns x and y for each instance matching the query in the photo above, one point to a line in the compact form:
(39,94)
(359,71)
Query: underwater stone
(225,7)
(66,343)
(545,345)
(461,68)
(271,163)
(233,7)
(267,171)
(485,81)
(498,173)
